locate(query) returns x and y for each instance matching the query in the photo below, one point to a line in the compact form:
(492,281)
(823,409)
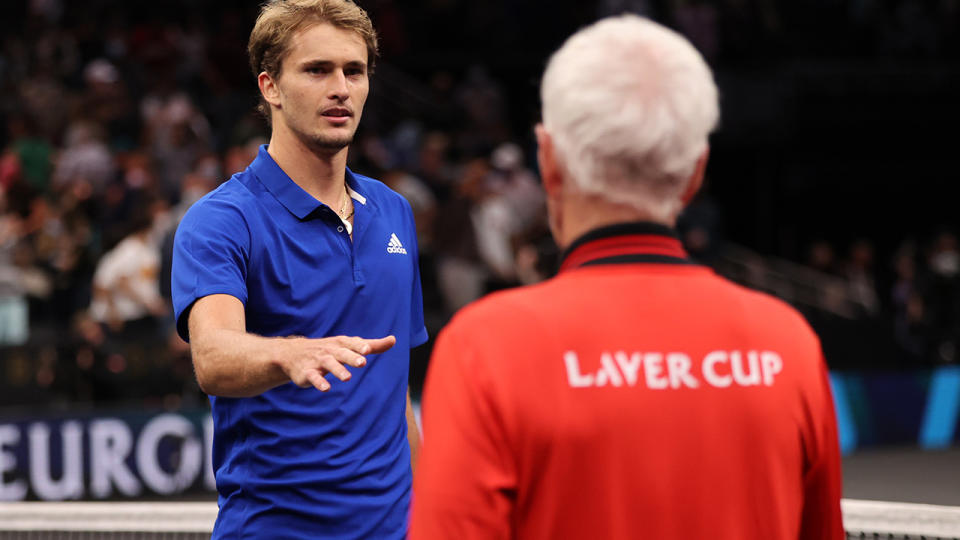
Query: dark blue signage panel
(105,456)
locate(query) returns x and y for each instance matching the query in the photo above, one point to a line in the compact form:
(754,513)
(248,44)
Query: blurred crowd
(113,130)
(114,124)
(908,304)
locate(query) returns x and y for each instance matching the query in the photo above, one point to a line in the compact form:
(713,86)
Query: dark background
(839,125)
(839,117)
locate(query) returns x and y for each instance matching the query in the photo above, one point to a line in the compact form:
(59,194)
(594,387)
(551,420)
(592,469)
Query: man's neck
(320,174)
(584,213)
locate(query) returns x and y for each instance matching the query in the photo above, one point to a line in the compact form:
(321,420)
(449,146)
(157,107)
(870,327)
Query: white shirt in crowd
(126,278)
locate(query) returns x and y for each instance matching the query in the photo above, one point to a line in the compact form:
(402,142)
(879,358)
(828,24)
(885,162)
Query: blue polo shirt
(295,462)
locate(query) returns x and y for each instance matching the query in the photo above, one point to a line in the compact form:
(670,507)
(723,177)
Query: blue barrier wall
(897,407)
(131,454)
(107,455)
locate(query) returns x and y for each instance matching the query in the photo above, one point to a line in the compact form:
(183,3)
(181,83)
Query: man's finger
(381,344)
(317,380)
(347,357)
(332,365)
(355,344)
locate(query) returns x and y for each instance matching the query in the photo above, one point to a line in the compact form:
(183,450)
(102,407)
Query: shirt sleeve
(210,256)
(822,482)
(465,484)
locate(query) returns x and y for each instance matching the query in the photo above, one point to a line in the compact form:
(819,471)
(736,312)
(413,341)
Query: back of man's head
(629,105)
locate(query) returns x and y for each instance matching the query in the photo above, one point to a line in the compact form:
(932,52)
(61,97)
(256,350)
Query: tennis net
(193,521)
(107,521)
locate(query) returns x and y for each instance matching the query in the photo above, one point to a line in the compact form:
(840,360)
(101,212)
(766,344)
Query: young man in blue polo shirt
(271,274)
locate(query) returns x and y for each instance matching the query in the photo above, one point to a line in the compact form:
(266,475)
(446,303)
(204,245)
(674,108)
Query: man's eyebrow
(316,63)
(319,62)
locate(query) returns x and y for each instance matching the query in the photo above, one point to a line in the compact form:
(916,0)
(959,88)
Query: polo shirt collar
(291,196)
(626,243)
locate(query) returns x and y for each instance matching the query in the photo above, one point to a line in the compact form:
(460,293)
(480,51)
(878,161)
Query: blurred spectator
(514,204)
(944,257)
(86,160)
(446,113)
(192,41)
(461,274)
(421,200)
(178,135)
(106,103)
(33,153)
(122,197)
(536,256)
(14,319)
(125,290)
(22,280)
(434,166)
(93,378)
(494,226)
(238,157)
(859,274)
(905,277)
(482,99)
(46,250)
(822,257)
(943,295)
(44,98)
(11,173)
(912,330)
(519,188)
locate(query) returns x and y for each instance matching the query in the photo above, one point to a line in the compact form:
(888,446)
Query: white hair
(629,105)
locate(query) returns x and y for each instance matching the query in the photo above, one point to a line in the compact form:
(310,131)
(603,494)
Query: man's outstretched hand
(307,361)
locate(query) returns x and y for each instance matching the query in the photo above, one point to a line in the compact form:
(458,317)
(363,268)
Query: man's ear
(546,157)
(696,180)
(552,182)
(269,89)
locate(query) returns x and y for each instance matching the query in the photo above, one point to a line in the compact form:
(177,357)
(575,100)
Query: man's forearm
(231,363)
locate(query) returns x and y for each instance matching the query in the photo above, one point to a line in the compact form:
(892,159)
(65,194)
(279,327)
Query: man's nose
(338,86)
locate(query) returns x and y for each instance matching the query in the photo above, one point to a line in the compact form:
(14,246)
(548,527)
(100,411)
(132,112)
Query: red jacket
(635,395)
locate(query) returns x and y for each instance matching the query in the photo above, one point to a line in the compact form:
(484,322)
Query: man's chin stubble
(330,144)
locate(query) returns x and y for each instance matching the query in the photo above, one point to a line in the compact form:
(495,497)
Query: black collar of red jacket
(626,243)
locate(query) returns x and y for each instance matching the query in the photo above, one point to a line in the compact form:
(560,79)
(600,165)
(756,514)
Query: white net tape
(178,521)
(869,519)
(196,517)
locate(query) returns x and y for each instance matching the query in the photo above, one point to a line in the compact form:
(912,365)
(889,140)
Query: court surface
(903,475)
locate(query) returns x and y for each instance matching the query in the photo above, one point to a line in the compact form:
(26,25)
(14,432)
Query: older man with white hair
(637,394)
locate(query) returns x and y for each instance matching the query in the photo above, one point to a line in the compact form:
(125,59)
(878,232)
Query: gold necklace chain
(343,207)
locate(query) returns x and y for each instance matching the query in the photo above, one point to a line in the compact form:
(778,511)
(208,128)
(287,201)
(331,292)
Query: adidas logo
(394,246)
